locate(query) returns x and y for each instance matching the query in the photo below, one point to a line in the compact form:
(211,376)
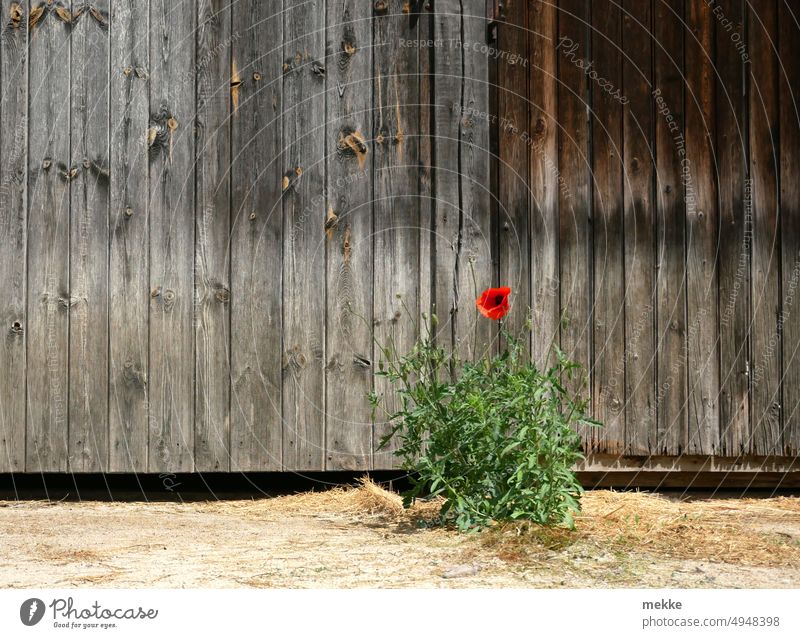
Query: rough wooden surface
(213,220)
(256,236)
(789,75)
(702,221)
(670,228)
(734,238)
(765,285)
(608,390)
(129,249)
(396,133)
(48,294)
(208,210)
(543,131)
(575,199)
(89,241)
(172,234)
(13,235)
(514,243)
(304,241)
(348,239)
(639,217)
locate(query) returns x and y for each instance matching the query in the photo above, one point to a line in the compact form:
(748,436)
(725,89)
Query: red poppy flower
(493,303)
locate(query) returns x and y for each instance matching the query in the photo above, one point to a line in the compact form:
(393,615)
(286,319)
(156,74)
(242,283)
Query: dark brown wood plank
(574,198)
(514,246)
(172,234)
(256,236)
(701,232)
(734,241)
(609,239)
(212,274)
(789,38)
(13,232)
(670,229)
(765,285)
(48,297)
(348,159)
(304,238)
(129,239)
(545,182)
(639,215)
(89,235)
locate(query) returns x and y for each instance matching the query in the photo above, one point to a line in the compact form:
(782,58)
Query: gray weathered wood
(609,236)
(463,259)
(256,236)
(574,198)
(514,246)
(702,363)
(89,235)
(670,229)
(348,162)
(212,232)
(789,38)
(129,249)
(544,178)
(172,233)
(48,300)
(13,233)
(640,297)
(765,285)
(396,205)
(734,242)
(304,236)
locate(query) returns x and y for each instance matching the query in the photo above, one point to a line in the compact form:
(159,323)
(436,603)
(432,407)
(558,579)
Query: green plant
(495,438)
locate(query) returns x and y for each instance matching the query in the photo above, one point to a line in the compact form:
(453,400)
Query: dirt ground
(363,538)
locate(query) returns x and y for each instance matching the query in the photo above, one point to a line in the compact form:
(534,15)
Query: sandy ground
(333,540)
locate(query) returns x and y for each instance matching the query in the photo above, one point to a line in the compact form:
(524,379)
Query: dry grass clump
(367,498)
(758,532)
(743,532)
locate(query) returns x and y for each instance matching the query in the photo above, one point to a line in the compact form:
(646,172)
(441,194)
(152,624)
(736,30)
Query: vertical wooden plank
(670,228)
(640,298)
(212,232)
(172,226)
(129,248)
(545,180)
(396,204)
(512,95)
(48,302)
(256,236)
(735,237)
(609,267)
(447,203)
(348,378)
(764,169)
(574,197)
(304,239)
(463,219)
(701,232)
(89,240)
(13,232)
(475,262)
(789,38)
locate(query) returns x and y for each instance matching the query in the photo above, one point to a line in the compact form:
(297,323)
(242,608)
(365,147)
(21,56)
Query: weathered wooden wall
(649,146)
(210,212)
